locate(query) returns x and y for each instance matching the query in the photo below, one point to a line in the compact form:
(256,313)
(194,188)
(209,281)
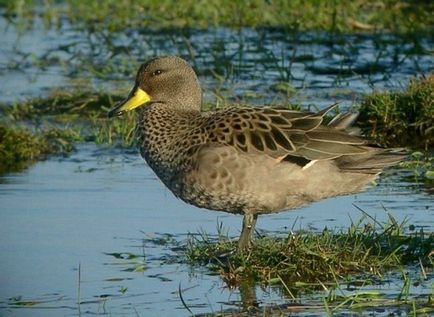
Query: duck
(244,160)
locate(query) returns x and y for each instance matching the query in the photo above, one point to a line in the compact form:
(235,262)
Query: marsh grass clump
(314,258)
(60,141)
(401,118)
(337,15)
(20,147)
(34,129)
(61,103)
(55,122)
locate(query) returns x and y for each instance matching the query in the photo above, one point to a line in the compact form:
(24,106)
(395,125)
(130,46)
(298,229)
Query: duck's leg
(245,241)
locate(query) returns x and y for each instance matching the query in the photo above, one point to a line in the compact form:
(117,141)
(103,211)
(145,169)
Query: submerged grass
(309,260)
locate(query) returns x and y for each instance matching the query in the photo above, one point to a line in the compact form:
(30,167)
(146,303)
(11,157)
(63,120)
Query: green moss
(402,118)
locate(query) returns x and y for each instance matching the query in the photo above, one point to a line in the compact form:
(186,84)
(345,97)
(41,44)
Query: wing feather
(276,132)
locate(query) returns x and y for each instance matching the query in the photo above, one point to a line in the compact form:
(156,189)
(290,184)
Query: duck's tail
(372,162)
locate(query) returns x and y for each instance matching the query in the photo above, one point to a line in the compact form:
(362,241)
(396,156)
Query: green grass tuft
(401,118)
(20,147)
(70,104)
(314,259)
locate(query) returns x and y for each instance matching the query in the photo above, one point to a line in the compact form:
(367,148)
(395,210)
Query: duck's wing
(282,133)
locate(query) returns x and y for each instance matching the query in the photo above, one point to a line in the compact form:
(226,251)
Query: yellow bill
(137,98)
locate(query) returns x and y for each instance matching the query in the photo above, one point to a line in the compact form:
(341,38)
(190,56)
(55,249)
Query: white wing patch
(309,164)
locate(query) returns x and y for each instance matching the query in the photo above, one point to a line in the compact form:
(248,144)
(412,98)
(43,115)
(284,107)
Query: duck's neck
(164,138)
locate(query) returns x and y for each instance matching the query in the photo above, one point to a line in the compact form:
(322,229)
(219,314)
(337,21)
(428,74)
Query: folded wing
(280,133)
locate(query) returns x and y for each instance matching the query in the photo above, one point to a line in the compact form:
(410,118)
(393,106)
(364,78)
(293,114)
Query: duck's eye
(157,72)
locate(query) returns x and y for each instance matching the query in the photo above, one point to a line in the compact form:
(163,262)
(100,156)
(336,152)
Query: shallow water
(97,206)
(236,65)
(97,232)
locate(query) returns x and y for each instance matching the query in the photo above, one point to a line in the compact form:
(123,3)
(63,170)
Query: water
(69,225)
(238,65)
(86,209)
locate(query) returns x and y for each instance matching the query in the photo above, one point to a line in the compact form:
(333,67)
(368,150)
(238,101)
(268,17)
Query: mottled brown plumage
(248,161)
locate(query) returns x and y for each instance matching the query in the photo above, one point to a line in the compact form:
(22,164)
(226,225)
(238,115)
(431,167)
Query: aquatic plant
(62,103)
(338,269)
(421,166)
(313,259)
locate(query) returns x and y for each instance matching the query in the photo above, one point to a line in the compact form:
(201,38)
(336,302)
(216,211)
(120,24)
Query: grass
(38,128)
(401,118)
(345,266)
(335,16)
(314,260)
(61,103)
(20,147)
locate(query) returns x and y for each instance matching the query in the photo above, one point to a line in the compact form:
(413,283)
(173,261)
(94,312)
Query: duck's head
(169,80)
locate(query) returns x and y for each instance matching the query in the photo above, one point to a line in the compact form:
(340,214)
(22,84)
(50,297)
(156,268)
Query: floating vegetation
(311,260)
(422,169)
(283,87)
(401,118)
